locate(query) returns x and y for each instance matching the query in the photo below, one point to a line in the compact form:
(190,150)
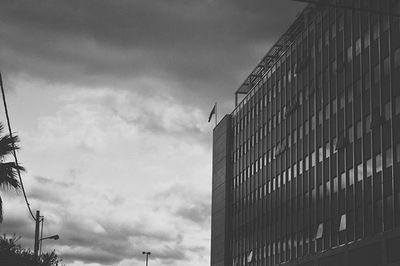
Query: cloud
(198,213)
(21,227)
(111,99)
(106,190)
(198,46)
(190,205)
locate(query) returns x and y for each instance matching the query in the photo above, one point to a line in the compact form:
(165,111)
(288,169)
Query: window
(389,158)
(376,74)
(320,117)
(327,115)
(360,172)
(397,105)
(388,111)
(320,231)
(366,39)
(342,101)
(367,124)
(350,94)
(294,170)
(335,184)
(327,150)
(313,159)
(300,98)
(341,23)
(328,188)
(333,30)
(334,67)
(375,30)
(386,67)
(313,122)
(350,134)
(307,162)
(343,181)
(357,88)
(358,46)
(334,106)
(306,127)
(367,83)
(279,118)
(326,37)
(279,181)
(358,129)
(320,154)
(301,132)
(334,145)
(284,177)
(398,152)
(351,176)
(397,58)
(385,24)
(321,192)
(300,167)
(378,163)
(342,225)
(294,136)
(369,168)
(349,54)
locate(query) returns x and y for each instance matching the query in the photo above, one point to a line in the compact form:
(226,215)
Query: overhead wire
(13,145)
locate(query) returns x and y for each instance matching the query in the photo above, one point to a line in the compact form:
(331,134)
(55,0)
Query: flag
(213,112)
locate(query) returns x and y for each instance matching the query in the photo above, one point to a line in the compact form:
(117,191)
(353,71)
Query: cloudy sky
(111,100)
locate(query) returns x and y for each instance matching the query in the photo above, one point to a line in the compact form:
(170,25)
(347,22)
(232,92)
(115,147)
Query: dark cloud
(149,121)
(91,256)
(198,213)
(21,227)
(203,48)
(48,181)
(47,195)
(113,242)
(194,207)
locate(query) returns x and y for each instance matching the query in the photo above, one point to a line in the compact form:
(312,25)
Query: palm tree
(8,170)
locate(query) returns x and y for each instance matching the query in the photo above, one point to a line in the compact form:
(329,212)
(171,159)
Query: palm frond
(8,144)
(9,175)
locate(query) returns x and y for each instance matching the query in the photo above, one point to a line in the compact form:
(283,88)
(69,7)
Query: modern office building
(306,169)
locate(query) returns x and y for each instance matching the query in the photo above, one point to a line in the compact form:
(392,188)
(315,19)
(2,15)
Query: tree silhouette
(12,254)
(8,170)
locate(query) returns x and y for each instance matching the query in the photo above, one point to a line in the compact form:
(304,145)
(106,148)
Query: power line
(13,145)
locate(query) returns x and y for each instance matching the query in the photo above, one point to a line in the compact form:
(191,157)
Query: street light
(55,237)
(147,253)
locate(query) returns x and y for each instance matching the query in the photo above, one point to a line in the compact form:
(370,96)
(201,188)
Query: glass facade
(316,142)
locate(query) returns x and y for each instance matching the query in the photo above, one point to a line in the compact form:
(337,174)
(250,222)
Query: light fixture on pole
(147,253)
(55,237)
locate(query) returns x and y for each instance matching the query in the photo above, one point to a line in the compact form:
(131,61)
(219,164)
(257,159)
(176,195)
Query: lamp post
(147,253)
(55,237)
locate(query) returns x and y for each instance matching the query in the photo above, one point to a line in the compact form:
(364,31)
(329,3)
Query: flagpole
(216,118)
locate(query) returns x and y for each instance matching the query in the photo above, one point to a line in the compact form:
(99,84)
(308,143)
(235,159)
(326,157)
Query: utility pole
(36,246)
